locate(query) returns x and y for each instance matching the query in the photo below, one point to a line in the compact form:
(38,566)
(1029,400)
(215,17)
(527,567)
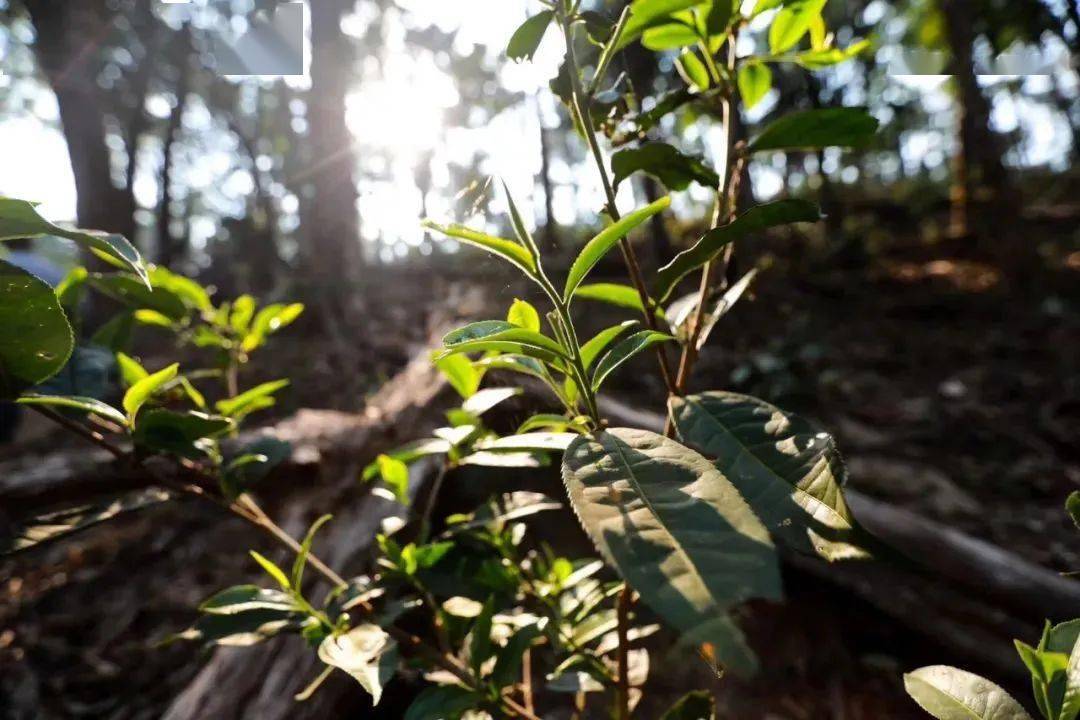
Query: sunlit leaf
(395,475)
(815,129)
(132,292)
(754,220)
(626,349)
(673,526)
(367,653)
(486,399)
(827,57)
(791,474)
(792,23)
(669,36)
(693,70)
(461,374)
(613,294)
(247,402)
(504,336)
(297,575)
(272,570)
(596,248)
(508,250)
(600,342)
(529,441)
(268,321)
(137,395)
(35,337)
(647,13)
(755,81)
(83,404)
(523,315)
(243,598)
(949,693)
(178,432)
(664,162)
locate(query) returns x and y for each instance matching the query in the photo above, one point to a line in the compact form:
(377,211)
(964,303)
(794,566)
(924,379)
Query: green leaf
(592,349)
(669,36)
(815,129)
(755,81)
(241,629)
(272,570)
(790,473)
(131,291)
(792,23)
(693,71)
(254,399)
(754,220)
(596,248)
(529,441)
(625,350)
(70,290)
(520,231)
(692,706)
(500,335)
(827,57)
(367,653)
(191,293)
(131,370)
(507,670)
(61,523)
(508,250)
(665,163)
(486,399)
(20,219)
(243,310)
(441,702)
(615,294)
(948,693)
(1070,707)
(268,321)
(409,452)
(1072,506)
(526,39)
(478,642)
(137,395)
(544,421)
(244,598)
(648,13)
(297,576)
(673,526)
(719,16)
(178,432)
(395,475)
(35,337)
(523,315)
(461,374)
(84,404)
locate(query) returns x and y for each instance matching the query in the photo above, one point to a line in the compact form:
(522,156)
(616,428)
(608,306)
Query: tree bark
(333,254)
(69,35)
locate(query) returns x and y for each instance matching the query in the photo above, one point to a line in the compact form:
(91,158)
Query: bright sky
(401,112)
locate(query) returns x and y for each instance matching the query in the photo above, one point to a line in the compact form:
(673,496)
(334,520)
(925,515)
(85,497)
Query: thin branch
(82,431)
(622,688)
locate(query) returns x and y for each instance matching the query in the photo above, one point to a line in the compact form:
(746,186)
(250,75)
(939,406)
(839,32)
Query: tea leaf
(526,39)
(592,349)
(692,706)
(254,399)
(673,526)
(268,321)
(815,129)
(529,441)
(484,400)
(508,665)
(693,70)
(441,702)
(395,475)
(949,693)
(791,474)
(754,220)
(665,163)
(506,249)
(35,337)
(596,248)
(367,653)
(272,570)
(628,348)
(20,219)
(178,432)
(647,13)
(755,81)
(85,404)
(792,23)
(137,395)
(131,371)
(669,36)
(523,315)
(461,374)
(297,576)
(613,294)
(243,598)
(819,59)
(131,291)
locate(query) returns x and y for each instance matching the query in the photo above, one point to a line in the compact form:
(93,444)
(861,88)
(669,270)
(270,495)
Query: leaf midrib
(959,703)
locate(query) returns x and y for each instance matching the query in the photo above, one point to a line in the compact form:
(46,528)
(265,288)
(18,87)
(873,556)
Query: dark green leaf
(675,528)
(60,523)
(815,129)
(297,576)
(1072,506)
(598,27)
(526,39)
(754,220)
(693,706)
(507,670)
(500,335)
(115,334)
(755,81)
(241,629)
(243,598)
(596,248)
(83,404)
(791,474)
(666,163)
(719,16)
(20,219)
(626,349)
(441,702)
(592,349)
(35,337)
(178,432)
(130,290)
(478,643)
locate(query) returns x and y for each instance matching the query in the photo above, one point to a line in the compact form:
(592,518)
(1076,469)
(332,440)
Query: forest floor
(949,395)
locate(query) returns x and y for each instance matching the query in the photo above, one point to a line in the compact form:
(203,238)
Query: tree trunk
(171,249)
(982,199)
(68,36)
(333,255)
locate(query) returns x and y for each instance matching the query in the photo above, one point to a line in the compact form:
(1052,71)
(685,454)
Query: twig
(82,431)
(526,680)
(581,104)
(622,688)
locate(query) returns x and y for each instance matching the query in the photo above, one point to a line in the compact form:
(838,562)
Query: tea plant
(688,521)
